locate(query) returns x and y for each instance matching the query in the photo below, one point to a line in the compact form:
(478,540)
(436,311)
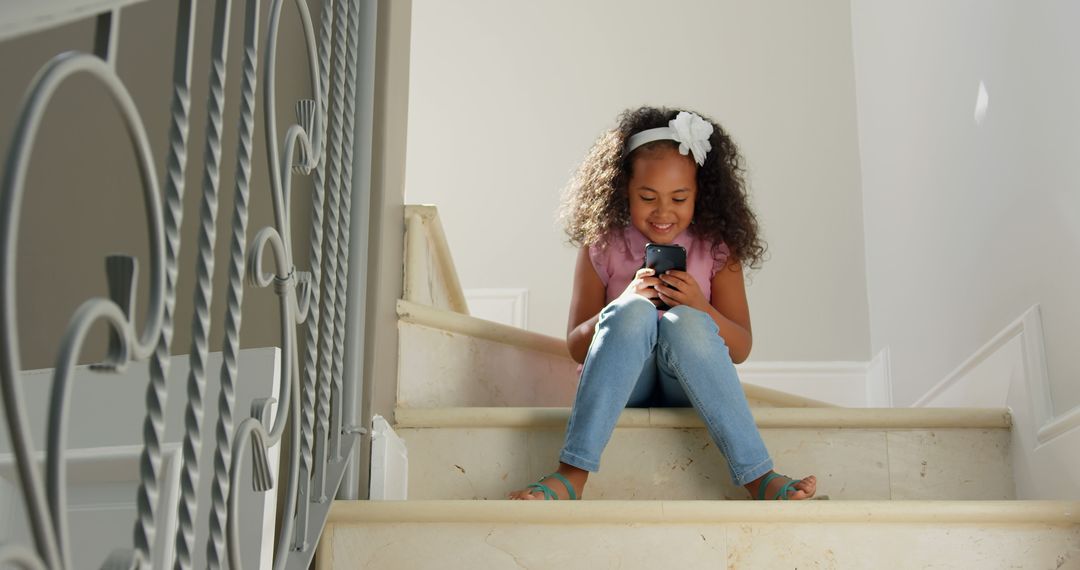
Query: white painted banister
(434,317)
(430,275)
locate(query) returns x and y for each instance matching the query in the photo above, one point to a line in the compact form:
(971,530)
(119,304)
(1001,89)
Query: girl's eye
(679,200)
(647,199)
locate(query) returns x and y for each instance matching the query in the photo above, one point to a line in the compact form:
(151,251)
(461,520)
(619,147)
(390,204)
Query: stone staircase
(666,454)
(482,409)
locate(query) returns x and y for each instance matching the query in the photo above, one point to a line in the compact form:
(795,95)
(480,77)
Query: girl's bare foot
(803,489)
(577,478)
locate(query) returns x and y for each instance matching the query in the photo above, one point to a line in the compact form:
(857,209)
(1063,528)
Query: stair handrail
(476,327)
(427,257)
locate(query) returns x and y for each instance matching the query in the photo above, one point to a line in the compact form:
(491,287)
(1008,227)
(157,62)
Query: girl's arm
(586,302)
(730,311)
(727,308)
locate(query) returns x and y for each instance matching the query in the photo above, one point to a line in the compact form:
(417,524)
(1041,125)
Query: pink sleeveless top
(624,254)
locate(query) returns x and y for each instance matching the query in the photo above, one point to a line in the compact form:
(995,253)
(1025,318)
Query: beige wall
(507,96)
(84,199)
(969,224)
(387,232)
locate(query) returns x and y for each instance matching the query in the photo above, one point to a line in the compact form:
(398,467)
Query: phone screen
(663,258)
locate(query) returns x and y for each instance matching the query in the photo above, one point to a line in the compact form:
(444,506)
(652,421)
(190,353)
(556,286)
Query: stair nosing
(704,512)
(822,418)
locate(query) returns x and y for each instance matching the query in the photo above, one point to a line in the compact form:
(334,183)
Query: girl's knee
(684,323)
(628,319)
(691,335)
(630,310)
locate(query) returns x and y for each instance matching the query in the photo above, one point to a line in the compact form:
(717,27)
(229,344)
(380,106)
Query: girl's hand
(680,288)
(644,284)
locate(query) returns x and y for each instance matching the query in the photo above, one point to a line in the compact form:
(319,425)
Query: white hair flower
(688,129)
(692,133)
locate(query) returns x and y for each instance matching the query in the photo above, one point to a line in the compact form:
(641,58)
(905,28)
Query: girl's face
(663,186)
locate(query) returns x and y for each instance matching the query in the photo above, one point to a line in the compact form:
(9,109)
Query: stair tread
(699,534)
(704,511)
(870,418)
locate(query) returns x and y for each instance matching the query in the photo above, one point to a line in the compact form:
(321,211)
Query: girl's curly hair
(595,202)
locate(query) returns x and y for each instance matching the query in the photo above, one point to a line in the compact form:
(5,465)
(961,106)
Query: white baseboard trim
(1010,370)
(1025,334)
(879,381)
(1059,425)
(509,306)
(389,463)
(848,384)
(981,375)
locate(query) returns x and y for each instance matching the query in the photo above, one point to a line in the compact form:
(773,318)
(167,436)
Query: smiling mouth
(662,228)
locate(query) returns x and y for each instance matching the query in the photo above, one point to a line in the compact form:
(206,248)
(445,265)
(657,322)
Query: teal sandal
(548,493)
(783,493)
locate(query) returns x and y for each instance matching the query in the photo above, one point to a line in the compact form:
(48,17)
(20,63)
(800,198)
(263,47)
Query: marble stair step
(666,454)
(449,359)
(632,535)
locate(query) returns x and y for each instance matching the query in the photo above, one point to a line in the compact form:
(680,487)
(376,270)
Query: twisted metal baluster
(204,290)
(329,304)
(156,393)
(343,236)
(253,429)
(311,340)
(215,547)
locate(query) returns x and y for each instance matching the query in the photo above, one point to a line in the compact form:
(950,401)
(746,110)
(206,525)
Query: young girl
(663,177)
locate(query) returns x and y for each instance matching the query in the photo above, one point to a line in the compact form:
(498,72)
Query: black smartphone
(663,258)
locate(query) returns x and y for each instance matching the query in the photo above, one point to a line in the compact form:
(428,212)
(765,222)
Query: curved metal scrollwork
(311,298)
(49,524)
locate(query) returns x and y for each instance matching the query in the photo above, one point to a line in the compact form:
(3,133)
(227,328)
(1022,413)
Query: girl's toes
(801,495)
(808,486)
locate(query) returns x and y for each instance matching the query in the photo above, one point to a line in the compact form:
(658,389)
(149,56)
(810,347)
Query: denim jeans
(636,360)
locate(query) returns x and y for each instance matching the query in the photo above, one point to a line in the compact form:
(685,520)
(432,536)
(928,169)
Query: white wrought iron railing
(320,144)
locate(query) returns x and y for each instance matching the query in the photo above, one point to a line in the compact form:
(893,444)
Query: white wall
(505,98)
(968,225)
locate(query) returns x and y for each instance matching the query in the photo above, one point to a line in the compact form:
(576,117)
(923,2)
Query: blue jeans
(636,360)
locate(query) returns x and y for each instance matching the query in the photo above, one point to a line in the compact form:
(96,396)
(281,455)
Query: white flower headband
(688,129)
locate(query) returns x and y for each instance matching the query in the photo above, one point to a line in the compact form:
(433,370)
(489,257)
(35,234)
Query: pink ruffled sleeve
(720,257)
(600,262)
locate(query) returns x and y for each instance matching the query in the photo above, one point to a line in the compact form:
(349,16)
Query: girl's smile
(661,228)
(662,188)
